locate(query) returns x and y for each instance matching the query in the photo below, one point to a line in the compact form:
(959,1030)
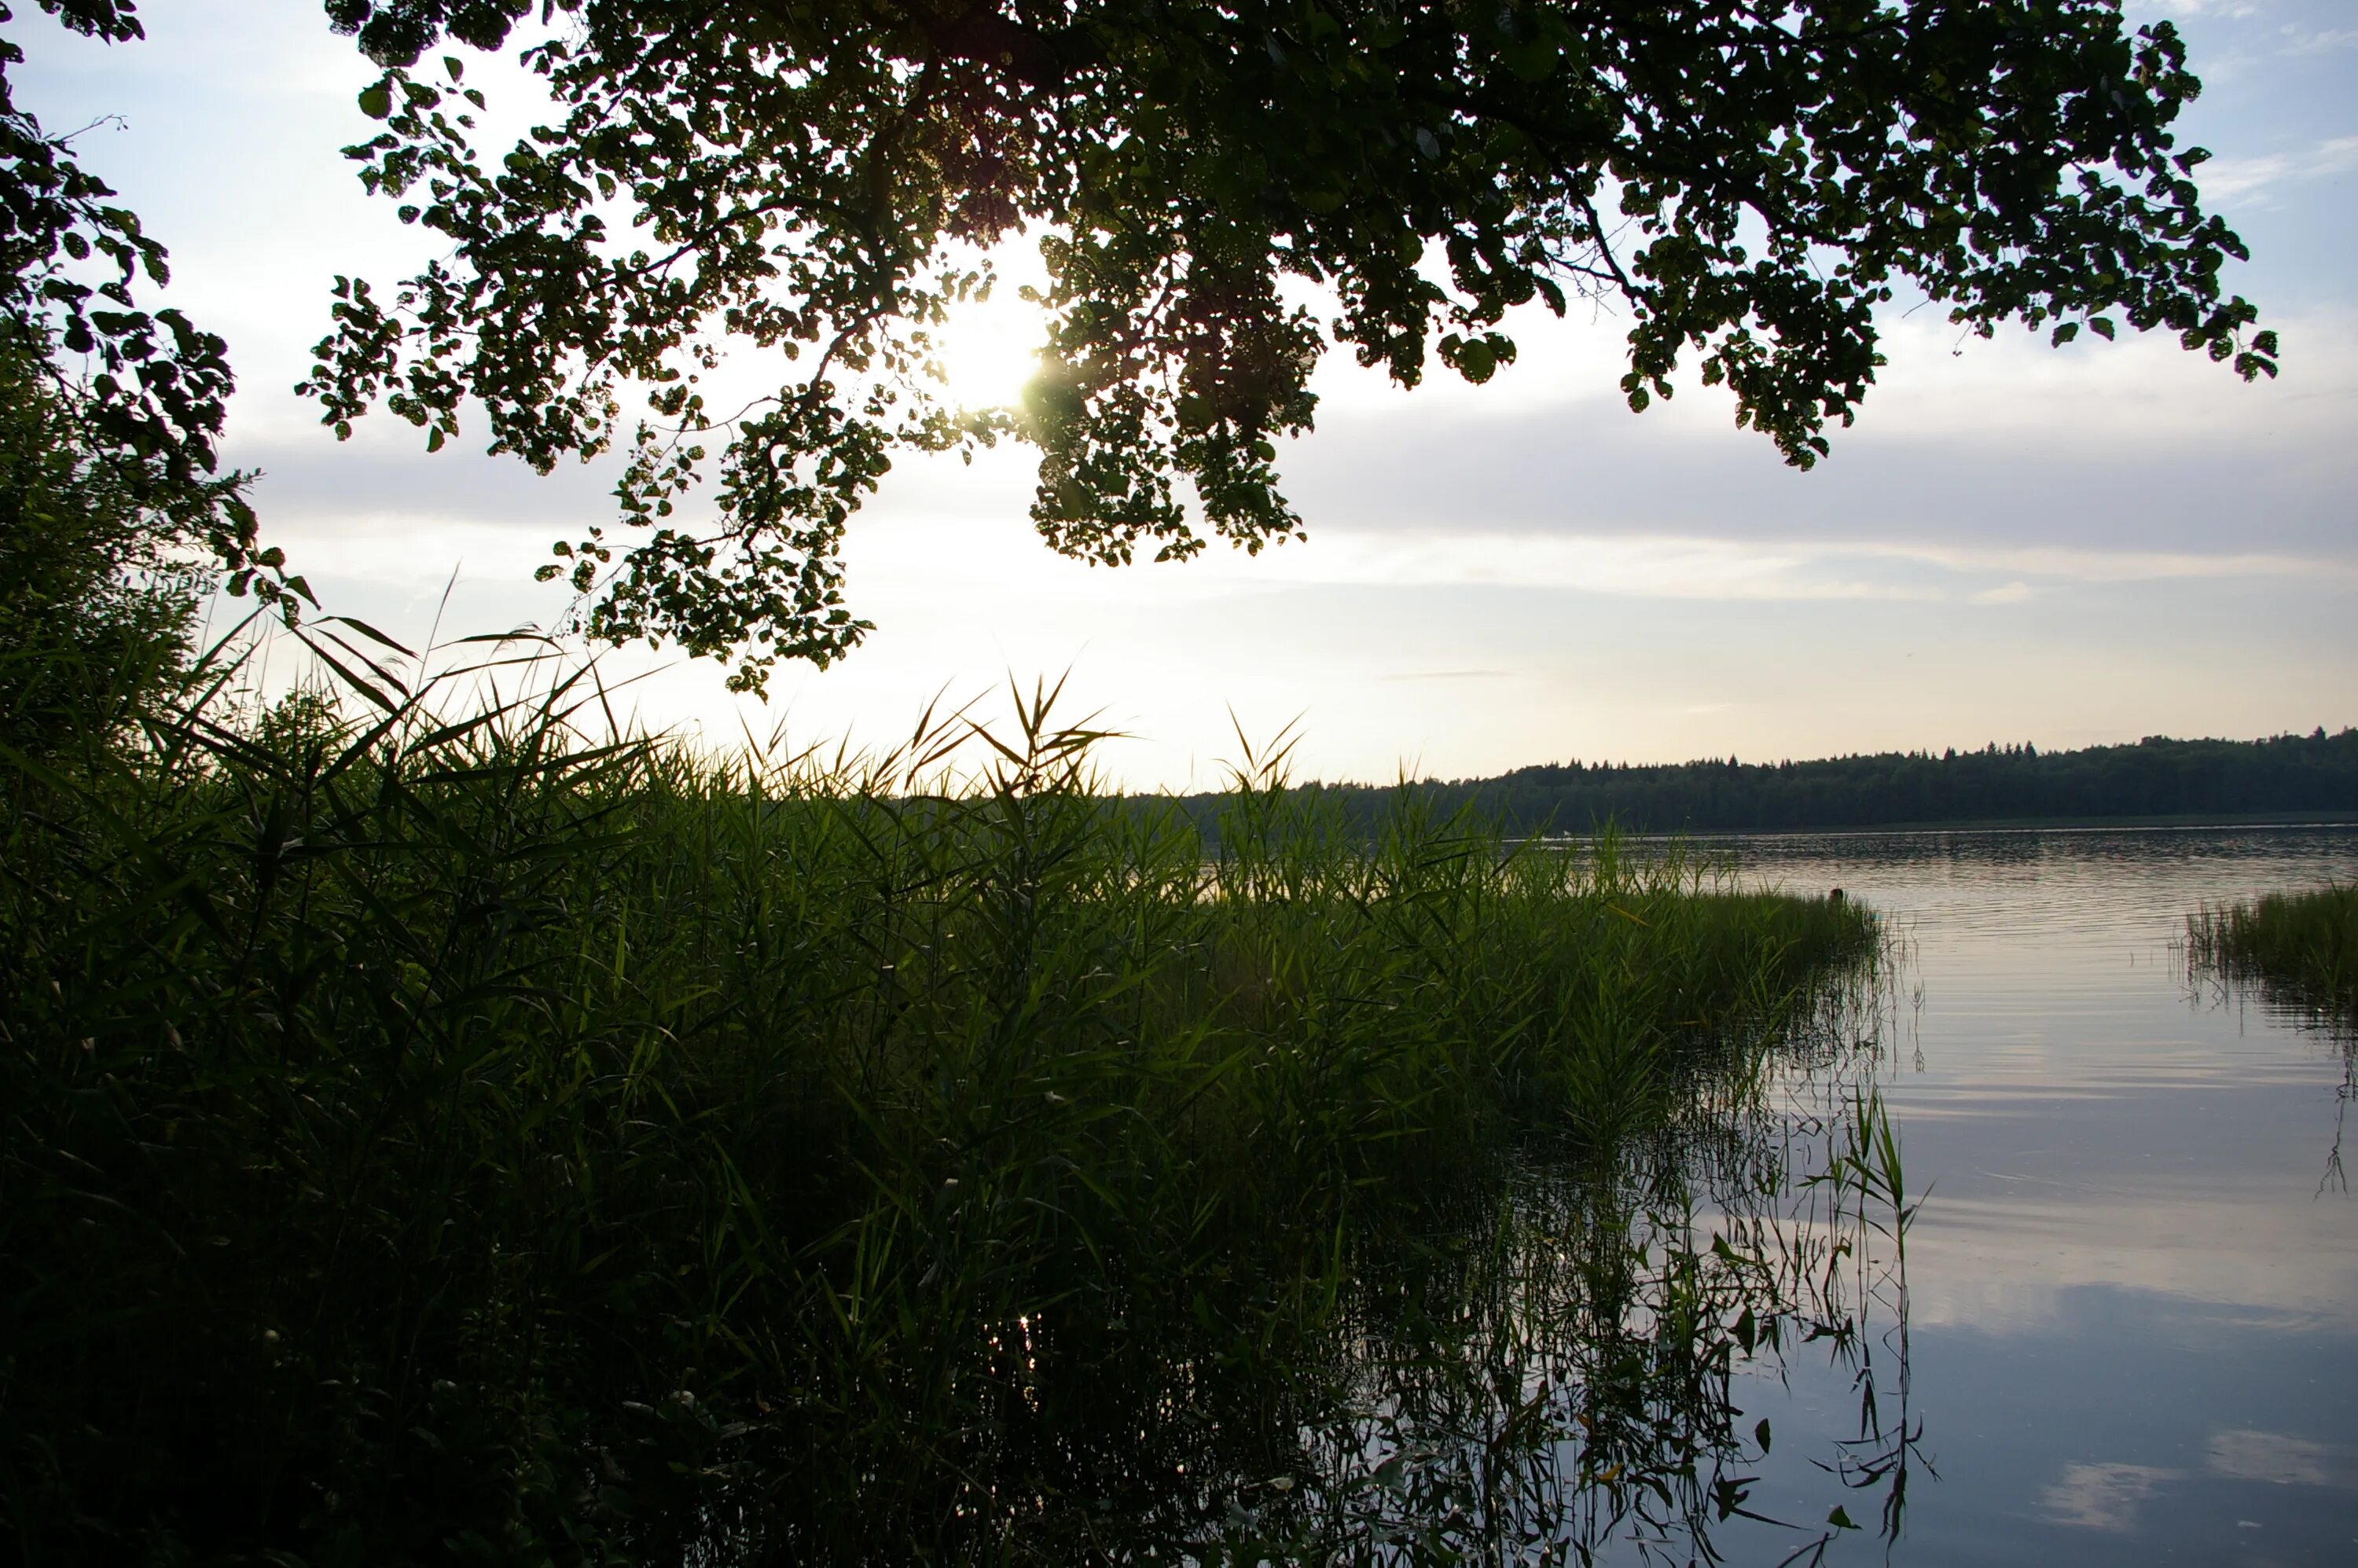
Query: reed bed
(2300,947)
(438,1127)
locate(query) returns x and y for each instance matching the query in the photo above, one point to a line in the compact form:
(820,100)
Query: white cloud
(1672,566)
(2281,1460)
(2194,8)
(1656,567)
(2103,566)
(2320,42)
(2225,178)
(2104,1497)
(2201,8)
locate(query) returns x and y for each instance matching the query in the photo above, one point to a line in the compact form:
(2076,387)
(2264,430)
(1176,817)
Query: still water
(2131,1329)
(2025,1245)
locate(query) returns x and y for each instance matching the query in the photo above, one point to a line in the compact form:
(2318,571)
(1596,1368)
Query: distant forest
(2310,775)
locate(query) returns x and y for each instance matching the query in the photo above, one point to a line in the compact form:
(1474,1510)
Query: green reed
(1558,1375)
(2302,947)
(439,1125)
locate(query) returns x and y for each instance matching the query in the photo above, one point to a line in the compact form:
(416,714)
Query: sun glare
(990,350)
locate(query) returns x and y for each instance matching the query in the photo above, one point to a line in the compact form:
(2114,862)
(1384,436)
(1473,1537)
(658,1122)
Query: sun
(990,350)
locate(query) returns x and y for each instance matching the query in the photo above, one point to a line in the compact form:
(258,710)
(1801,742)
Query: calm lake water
(2119,1326)
(2132,1289)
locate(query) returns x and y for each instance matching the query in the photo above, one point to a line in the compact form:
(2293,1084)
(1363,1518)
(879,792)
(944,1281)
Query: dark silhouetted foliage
(137,398)
(820,182)
(2316,773)
(95,615)
(442,1139)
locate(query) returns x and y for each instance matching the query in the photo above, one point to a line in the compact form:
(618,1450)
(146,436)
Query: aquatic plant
(439,1124)
(2302,947)
(1561,1372)
(2299,952)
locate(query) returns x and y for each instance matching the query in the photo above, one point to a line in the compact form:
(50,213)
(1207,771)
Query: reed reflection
(2295,957)
(1565,1365)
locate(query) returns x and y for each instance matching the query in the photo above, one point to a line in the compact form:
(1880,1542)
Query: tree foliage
(114,502)
(133,401)
(1748,179)
(94,624)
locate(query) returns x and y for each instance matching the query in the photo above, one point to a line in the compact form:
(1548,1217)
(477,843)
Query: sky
(2014,544)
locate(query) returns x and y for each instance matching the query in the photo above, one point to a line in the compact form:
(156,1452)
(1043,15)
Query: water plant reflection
(1563,1375)
(1565,1364)
(2295,954)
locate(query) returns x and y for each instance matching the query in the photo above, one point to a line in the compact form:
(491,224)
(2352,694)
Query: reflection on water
(2221,984)
(1566,1369)
(2134,1288)
(2104,1310)
(1577,1389)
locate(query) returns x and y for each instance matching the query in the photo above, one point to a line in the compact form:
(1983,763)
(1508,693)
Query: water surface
(2133,1287)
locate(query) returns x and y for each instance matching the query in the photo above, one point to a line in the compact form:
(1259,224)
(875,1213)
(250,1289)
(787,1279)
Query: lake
(2132,1287)
(2029,1248)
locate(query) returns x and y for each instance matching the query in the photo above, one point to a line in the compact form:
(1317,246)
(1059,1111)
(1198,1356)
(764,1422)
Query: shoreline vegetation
(2299,949)
(437,1128)
(2158,782)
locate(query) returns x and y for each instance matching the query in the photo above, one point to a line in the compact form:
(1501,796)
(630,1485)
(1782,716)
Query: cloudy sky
(2014,544)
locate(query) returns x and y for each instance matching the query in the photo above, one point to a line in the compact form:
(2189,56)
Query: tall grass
(2302,947)
(438,1127)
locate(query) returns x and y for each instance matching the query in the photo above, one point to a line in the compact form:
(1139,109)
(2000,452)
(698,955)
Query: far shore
(2006,825)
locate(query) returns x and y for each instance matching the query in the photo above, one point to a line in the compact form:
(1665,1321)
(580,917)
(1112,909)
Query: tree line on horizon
(2157,776)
